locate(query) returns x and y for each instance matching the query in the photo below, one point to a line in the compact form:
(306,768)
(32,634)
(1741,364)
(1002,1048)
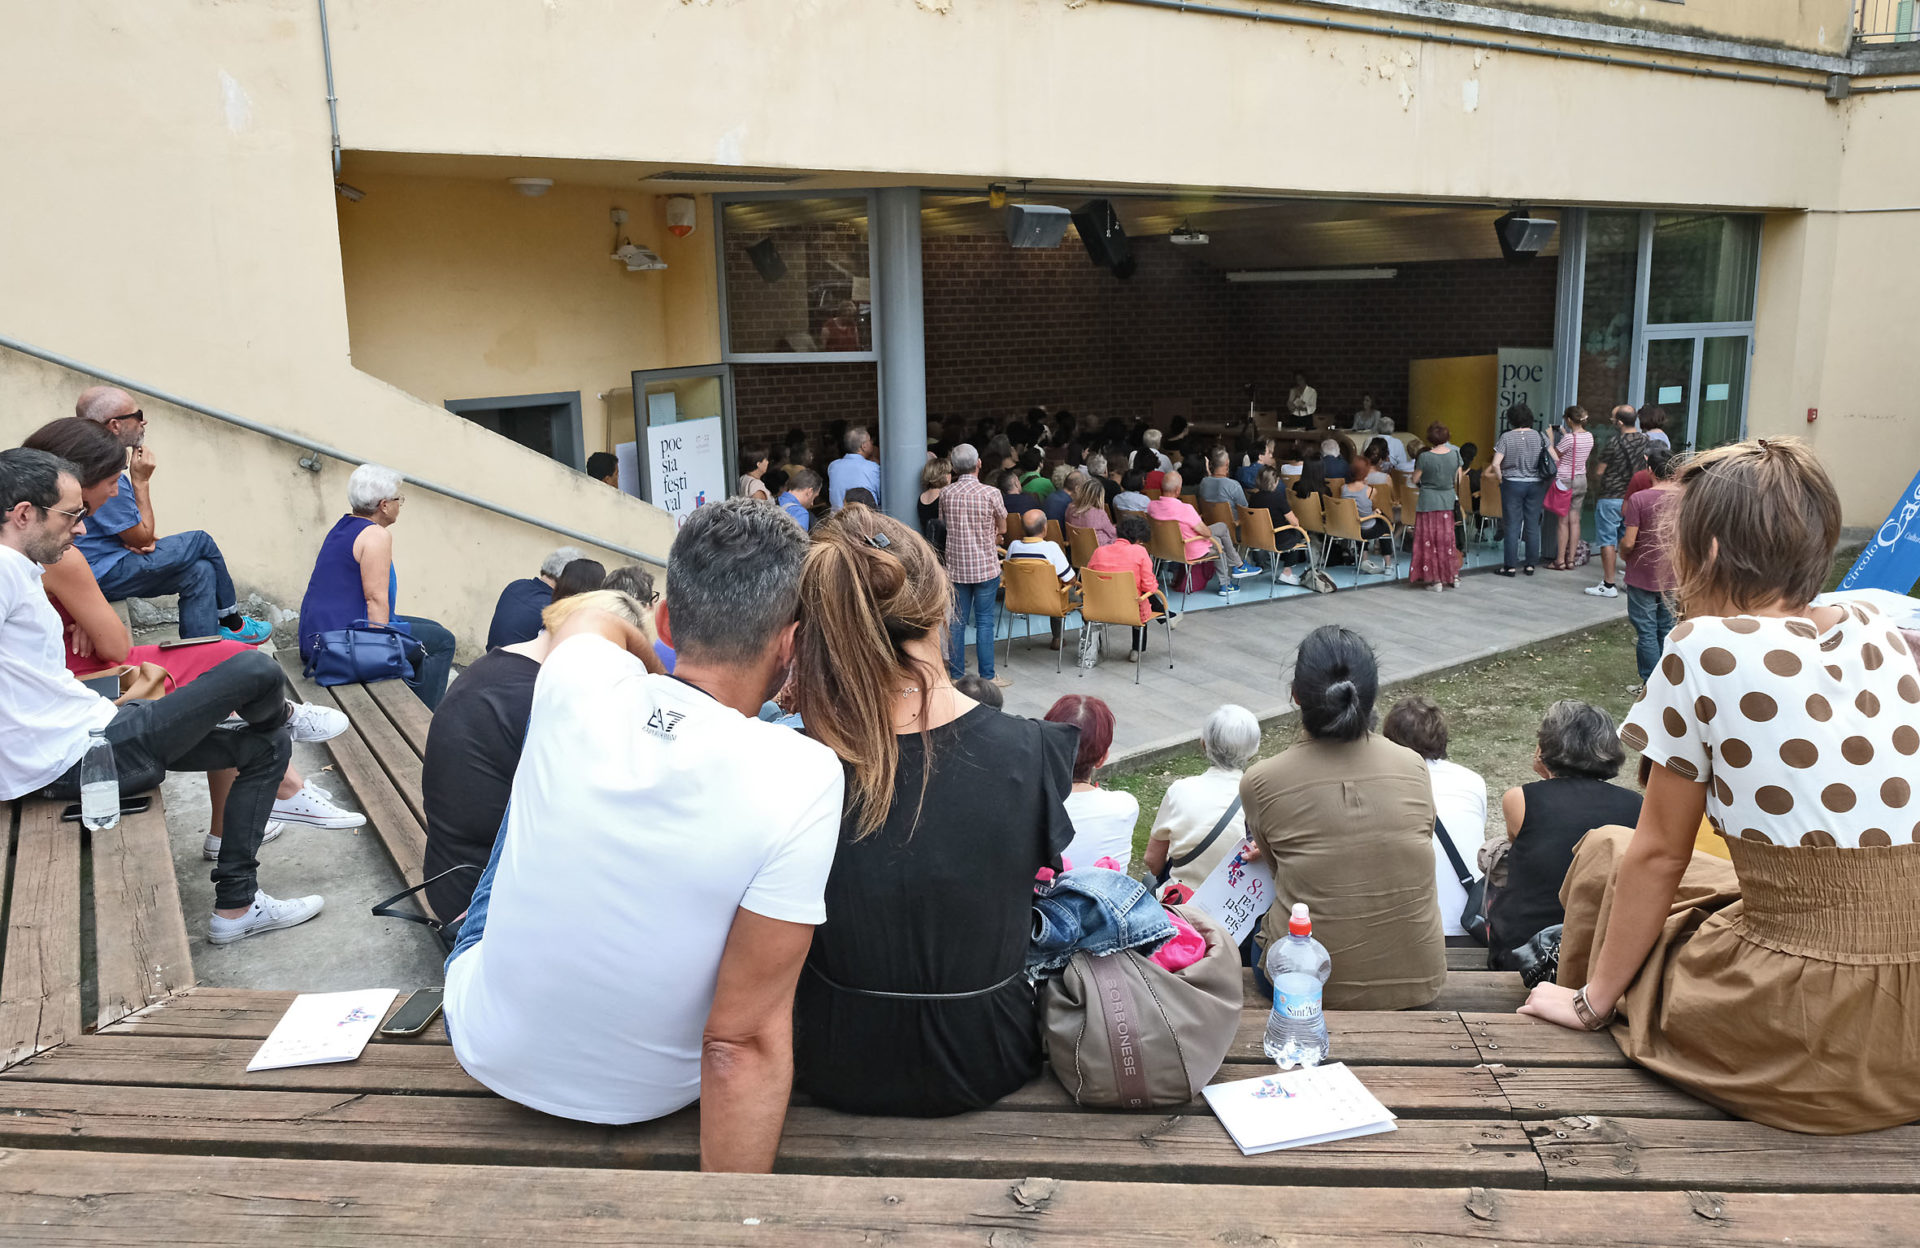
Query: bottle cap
(1300,924)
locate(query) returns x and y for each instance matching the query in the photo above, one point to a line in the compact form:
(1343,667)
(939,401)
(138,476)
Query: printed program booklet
(322,1027)
(1311,1105)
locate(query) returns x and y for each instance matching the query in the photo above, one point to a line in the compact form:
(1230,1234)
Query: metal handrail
(1886,21)
(319,448)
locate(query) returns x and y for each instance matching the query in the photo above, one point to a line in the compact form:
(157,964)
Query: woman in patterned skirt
(1436,560)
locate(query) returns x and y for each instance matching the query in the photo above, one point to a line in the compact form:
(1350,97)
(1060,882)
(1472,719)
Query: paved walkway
(1244,653)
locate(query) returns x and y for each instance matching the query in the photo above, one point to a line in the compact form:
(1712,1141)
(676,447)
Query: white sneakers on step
(267,914)
(315,806)
(210,849)
(308,722)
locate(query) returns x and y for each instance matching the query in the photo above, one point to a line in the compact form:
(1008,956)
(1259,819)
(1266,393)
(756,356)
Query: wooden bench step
(1476,990)
(140,938)
(40,978)
(1725,1156)
(77,1197)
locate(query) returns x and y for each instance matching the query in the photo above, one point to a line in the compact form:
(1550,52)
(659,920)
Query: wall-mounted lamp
(680,215)
(532,188)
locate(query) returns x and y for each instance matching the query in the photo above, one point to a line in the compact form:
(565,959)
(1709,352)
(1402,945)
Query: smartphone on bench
(128,806)
(412,1018)
(178,642)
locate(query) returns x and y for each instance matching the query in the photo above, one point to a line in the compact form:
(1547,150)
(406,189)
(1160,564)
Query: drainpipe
(333,101)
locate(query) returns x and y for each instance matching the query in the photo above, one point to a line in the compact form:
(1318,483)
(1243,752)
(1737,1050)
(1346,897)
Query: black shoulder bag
(1233,808)
(1474,917)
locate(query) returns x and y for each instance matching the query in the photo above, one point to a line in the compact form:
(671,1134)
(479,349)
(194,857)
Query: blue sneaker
(1229,590)
(251,631)
(1247,569)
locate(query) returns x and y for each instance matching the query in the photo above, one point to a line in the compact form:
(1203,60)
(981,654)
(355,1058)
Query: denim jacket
(1096,910)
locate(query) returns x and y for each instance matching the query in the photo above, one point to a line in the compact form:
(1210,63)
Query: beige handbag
(1123,1032)
(143,682)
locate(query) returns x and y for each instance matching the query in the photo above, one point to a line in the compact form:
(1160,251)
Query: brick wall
(1352,338)
(1007,329)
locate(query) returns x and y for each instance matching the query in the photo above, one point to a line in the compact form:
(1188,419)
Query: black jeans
(181,732)
(1159,603)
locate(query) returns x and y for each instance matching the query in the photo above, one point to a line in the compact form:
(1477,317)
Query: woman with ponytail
(1345,817)
(915,999)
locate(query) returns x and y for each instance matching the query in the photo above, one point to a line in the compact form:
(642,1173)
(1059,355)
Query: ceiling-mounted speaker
(1105,240)
(1036,225)
(766,260)
(1522,235)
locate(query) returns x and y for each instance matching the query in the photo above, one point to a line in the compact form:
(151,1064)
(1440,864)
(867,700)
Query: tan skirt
(1785,987)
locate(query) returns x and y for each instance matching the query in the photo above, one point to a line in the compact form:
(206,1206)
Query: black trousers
(182,732)
(1159,603)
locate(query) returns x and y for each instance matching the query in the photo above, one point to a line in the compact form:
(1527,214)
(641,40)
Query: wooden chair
(1220,513)
(1191,500)
(1307,510)
(1153,494)
(1386,501)
(1409,509)
(1033,588)
(1335,485)
(1341,517)
(1491,511)
(1015,528)
(1167,546)
(1257,532)
(1081,543)
(1115,598)
(1055,535)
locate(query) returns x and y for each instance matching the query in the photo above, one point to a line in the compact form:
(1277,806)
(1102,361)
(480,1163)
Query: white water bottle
(1299,967)
(99,785)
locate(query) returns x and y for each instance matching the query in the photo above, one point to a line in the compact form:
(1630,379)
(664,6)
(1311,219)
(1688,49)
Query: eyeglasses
(75,516)
(135,414)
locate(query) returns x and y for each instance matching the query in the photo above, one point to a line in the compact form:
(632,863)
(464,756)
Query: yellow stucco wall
(464,289)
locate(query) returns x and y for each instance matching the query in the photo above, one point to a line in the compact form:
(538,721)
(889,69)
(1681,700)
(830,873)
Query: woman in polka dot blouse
(1783,986)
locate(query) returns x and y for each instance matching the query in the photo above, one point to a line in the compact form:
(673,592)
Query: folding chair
(1033,588)
(1257,532)
(1115,598)
(1342,519)
(1166,544)
(1081,543)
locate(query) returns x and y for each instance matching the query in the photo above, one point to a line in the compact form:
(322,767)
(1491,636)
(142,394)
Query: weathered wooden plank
(1374,1038)
(1476,990)
(393,821)
(1466,958)
(237,1014)
(142,954)
(1723,1156)
(403,706)
(9,823)
(1519,1040)
(472,1129)
(1409,1091)
(1617,1092)
(40,980)
(194,1062)
(388,747)
(92,1198)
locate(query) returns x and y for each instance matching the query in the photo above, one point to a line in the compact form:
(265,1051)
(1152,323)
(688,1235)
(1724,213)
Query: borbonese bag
(1123,1032)
(366,652)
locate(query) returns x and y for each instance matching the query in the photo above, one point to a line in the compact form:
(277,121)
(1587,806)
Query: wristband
(1583,1010)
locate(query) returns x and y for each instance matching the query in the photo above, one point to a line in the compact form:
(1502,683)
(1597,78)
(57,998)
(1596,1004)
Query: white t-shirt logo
(662,722)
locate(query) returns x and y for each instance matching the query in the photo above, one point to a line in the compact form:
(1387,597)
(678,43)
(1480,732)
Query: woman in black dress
(915,999)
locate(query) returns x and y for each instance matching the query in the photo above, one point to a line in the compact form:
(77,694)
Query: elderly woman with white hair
(1200,822)
(354,579)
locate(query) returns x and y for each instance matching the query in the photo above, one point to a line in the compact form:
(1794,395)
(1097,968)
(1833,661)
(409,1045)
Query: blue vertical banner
(1891,560)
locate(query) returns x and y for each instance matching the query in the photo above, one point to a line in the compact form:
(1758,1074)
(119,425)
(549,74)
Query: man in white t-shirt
(47,717)
(1459,800)
(634,943)
(1035,546)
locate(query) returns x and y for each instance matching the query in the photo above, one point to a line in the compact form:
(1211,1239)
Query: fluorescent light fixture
(1312,275)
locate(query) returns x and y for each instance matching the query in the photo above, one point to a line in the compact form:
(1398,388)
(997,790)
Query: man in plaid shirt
(975,516)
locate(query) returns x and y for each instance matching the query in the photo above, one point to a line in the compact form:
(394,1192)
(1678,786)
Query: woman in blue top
(354,579)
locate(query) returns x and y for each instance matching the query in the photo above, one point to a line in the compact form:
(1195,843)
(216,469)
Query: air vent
(727,178)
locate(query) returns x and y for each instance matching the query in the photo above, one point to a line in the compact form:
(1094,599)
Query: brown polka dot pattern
(1867,703)
(1834,642)
(1674,668)
(1799,752)
(1909,689)
(1758,707)
(1704,710)
(1895,793)
(1818,708)
(1800,628)
(1743,624)
(1682,630)
(1872,656)
(1780,663)
(1723,791)
(1717,661)
(1896,643)
(1735,752)
(1834,672)
(1839,798)
(1817,839)
(1906,739)
(1773,799)
(1682,768)
(1875,838)
(1633,737)
(1674,722)
(1857,750)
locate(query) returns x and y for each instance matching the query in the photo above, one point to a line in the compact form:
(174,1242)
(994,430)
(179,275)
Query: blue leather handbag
(363,653)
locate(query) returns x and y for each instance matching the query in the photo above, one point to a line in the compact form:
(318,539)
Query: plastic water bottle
(99,785)
(1298,967)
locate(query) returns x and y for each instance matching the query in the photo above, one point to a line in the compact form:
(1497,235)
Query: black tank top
(1559,813)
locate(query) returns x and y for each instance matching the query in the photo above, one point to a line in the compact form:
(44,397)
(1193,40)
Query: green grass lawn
(1493,711)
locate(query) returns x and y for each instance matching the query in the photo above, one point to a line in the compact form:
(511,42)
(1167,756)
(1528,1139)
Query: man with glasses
(128,557)
(47,716)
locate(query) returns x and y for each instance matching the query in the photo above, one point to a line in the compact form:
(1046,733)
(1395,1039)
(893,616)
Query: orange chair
(1220,513)
(1257,532)
(1167,545)
(1115,598)
(1081,543)
(1307,510)
(1033,588)
(1054,535)
(1342,519)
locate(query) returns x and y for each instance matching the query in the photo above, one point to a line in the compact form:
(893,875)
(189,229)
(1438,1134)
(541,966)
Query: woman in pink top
(1089,511)
(1128,553)
(1574,448)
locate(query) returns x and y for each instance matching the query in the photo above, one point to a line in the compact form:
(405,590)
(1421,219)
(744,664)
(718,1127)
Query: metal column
(903,353)
(1568,302)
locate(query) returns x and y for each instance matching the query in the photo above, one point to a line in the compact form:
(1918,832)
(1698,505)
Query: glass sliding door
(1722,403)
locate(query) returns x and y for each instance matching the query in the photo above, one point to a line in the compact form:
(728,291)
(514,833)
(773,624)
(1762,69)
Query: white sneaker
(1289,577)
(308,722)
(210,850)
(314,805)
(1603,590)
(1370,568)
(268,914)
